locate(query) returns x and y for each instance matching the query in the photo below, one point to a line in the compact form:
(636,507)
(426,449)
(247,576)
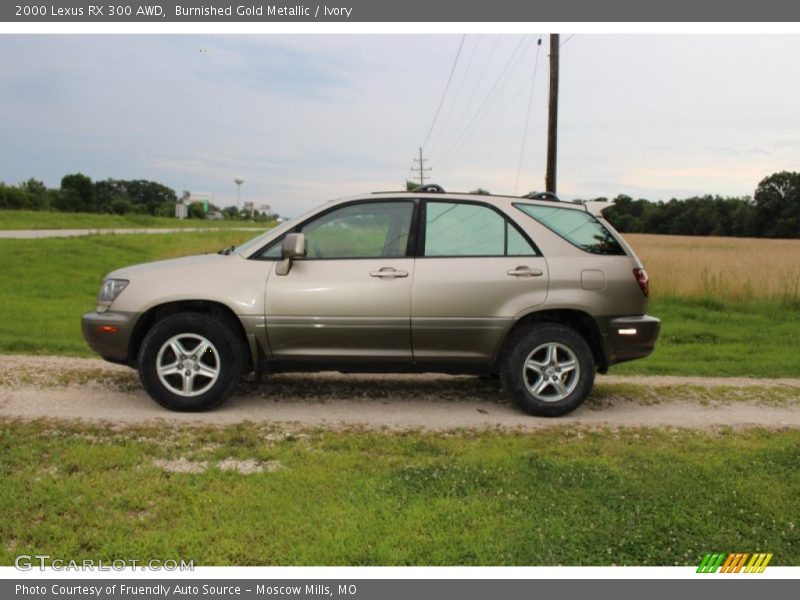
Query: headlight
(109,291)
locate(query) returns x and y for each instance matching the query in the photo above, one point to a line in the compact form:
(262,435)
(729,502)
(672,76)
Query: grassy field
(565,496)
(729,306)
(255,495)
(706,337)
(34,219)
(725,270)
(47,284)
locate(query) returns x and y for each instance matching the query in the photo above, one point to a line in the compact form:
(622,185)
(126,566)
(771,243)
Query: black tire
(554,399)
(225,355)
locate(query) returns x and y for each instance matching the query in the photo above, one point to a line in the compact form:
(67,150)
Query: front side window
(463,229)
(273,250)
(366,230)
(579,228)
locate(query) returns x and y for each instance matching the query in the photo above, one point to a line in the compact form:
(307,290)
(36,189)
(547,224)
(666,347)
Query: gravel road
(91,390)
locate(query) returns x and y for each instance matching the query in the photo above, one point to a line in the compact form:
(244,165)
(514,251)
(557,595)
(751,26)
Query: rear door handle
(524,271)
(388,272)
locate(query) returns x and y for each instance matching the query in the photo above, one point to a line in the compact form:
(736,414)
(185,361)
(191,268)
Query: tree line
(78,193)
(772,212)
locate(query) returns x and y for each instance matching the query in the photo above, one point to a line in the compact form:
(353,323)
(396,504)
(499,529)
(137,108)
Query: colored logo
(736,562)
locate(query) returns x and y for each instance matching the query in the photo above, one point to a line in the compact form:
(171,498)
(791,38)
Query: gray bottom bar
(705,586)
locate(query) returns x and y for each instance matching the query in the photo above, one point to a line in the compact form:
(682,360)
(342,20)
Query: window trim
(518,206)
(416,234)
(410,245)
(423,231)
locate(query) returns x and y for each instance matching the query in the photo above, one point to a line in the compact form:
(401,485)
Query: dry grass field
(723,268)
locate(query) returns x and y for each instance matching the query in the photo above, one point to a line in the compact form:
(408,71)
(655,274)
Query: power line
(446,87)
(452,105)
(497,85)
(466,132)
(569,37)
(528,116)
(487,124)
(465,113)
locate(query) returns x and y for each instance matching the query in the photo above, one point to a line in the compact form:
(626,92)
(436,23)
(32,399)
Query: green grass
(647,394)
(705,337)
(562,496)
(34,219)
(47,284)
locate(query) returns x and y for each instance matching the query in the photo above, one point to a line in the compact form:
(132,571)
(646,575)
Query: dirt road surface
(94,391)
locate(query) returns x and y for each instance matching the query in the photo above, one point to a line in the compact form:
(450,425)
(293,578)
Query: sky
(306,118)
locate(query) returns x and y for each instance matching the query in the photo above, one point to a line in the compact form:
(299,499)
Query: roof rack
(429,187)
(542,196)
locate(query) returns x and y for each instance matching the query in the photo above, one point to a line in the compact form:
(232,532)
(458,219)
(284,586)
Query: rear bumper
(629,338)
(109,334)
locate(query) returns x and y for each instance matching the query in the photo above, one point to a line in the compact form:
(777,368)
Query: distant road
(29,234)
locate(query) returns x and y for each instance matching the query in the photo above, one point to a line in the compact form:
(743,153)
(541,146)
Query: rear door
(350,297)
(475,271)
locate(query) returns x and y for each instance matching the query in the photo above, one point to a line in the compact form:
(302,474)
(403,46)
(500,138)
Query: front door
(350,297)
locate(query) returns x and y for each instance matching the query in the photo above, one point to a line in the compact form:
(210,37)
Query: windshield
(258,241)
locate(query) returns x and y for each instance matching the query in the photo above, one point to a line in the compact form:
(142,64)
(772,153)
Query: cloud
(304,118)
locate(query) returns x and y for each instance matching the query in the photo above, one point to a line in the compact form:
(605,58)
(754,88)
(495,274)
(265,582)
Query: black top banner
(404,11)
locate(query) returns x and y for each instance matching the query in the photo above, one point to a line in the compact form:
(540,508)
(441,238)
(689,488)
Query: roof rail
(542,196)
(429,187)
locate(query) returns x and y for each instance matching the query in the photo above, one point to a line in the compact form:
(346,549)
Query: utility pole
(552,121)
(421,169)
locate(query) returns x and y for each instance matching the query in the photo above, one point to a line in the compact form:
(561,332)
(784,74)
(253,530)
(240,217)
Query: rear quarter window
(579,228)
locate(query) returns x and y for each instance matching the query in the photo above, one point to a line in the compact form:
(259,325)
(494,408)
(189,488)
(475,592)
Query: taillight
(642,280)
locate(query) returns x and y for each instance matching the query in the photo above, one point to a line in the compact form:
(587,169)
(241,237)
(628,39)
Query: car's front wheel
(190,362)
(548,371)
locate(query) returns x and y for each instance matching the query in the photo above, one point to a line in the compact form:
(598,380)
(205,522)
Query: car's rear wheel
(190,362)
(548,371)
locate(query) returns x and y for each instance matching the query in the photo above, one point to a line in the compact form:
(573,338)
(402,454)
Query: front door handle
(388,272)
(523,271)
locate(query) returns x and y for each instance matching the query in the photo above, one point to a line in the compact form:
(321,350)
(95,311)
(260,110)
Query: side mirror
(292,248)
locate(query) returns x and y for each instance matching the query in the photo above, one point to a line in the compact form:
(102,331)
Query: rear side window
(464,229)
(579,228)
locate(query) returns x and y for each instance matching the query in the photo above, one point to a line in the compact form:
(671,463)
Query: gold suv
(542,292)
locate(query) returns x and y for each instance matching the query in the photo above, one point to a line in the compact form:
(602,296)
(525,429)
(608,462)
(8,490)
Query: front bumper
(629,338)
(109,334)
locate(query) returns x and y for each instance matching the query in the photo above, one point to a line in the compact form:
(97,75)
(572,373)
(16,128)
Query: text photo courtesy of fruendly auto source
(518,299)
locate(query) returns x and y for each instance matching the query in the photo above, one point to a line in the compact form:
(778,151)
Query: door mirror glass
(292,248)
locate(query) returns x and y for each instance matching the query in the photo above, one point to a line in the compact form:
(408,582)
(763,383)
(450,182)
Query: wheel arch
(578,320)
(209,307)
